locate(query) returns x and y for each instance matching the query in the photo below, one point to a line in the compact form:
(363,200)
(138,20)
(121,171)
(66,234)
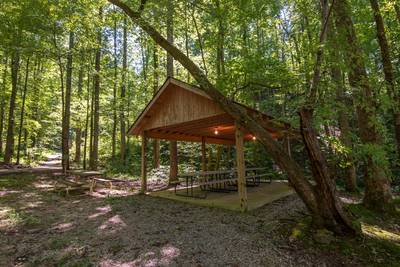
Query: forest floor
(39,227)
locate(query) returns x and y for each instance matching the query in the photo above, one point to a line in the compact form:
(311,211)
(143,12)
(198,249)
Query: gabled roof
(180,111)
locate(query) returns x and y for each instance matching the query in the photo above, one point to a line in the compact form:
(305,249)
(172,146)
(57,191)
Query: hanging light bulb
(254,138)
(216,131)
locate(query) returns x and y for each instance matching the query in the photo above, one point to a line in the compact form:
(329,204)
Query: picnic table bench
(223,181)
(108,182)
(68,186)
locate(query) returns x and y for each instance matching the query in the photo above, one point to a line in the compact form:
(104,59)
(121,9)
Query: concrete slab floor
(257,196)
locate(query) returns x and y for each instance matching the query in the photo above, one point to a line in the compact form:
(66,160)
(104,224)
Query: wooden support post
(239,136)
(144,169)
(203,154)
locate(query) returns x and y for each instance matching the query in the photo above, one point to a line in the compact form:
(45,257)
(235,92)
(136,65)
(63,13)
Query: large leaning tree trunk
(329,204)
(378,194)
(323,217)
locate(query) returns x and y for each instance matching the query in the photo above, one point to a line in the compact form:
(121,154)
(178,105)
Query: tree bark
(14,88)
(22,114)
(66,119)
(345,130)
(344,107)
(378,194)
(156,142)
(251,123)
(115,119)
(387,70)
(329,205)
(78,137)
(220,41)
(173,146)
(3,103)
(87,120)
(123,93)
(94,160)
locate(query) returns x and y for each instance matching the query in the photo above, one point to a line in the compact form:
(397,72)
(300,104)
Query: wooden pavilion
(183,112)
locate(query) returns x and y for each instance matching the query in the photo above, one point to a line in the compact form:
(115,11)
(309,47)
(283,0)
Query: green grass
(16,181)
(58,243)
(18,217)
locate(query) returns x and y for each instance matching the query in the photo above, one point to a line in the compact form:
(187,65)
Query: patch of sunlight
(7,192)
(101,211)
(62,227)
(349,200)
(43,185)
(162,257)
(33,204)
(11,217)
(113,224)
(377,232)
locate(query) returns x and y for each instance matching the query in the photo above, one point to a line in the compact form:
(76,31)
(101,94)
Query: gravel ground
(41,228)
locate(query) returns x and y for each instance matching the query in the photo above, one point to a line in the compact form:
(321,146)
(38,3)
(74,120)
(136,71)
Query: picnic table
(223,181)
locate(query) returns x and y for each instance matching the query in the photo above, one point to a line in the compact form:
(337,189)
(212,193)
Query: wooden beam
(143,166)
(241,167)
(187,137)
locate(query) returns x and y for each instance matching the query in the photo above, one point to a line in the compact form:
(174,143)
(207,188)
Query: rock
(324,237)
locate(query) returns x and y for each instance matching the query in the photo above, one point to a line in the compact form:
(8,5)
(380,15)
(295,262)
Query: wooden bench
(102,181)
(69,186)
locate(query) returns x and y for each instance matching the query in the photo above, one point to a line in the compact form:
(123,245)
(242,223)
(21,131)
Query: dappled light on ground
(62,227)
(112,225)
(39,227)
(160,257)
(100,211)
(377,232)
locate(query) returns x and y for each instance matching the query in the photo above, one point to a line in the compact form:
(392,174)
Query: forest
(75,76)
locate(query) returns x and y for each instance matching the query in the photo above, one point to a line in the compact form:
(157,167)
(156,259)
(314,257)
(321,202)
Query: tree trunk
(251,123)
(387,69)
(66,120)
(156,142)
(3,103)
(87,120)
(377,187)
(173,146)
(123,92)
(329,206)
(22,114)
(115,118)
(78,137)
(220,41)
(344,107)
(200,42)
(345,130)
(94,160)
(14,88)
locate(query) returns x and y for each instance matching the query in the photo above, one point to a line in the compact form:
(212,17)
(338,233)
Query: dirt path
(41,228)
(50,166)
